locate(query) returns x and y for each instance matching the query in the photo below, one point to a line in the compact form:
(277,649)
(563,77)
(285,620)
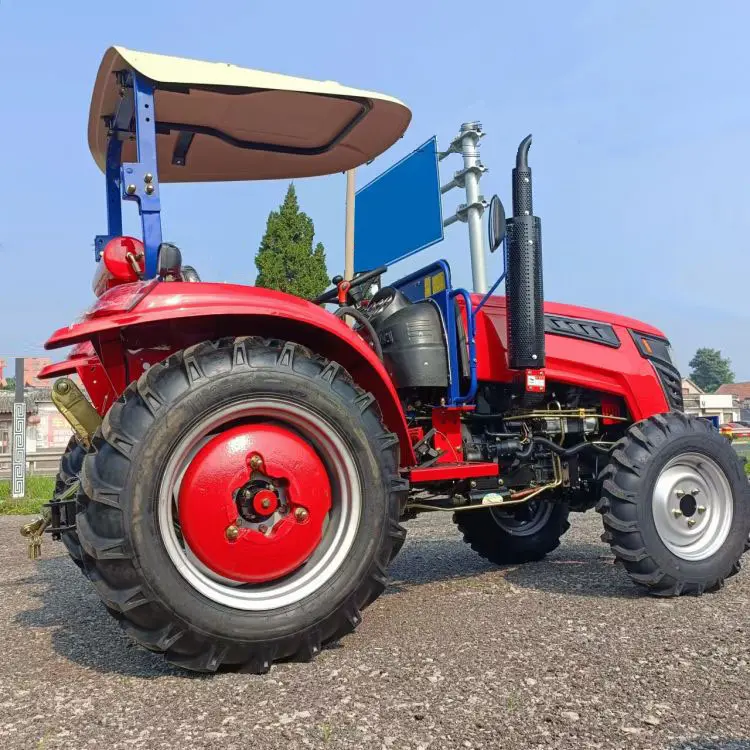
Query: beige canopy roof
(246,124)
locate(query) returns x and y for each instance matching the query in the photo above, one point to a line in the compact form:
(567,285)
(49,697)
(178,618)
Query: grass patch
(743,449)
(38,491)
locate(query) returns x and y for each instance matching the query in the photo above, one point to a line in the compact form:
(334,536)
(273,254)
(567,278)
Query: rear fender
(137,327)
(84,362)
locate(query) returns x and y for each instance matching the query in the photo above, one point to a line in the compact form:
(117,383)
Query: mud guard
(136,325)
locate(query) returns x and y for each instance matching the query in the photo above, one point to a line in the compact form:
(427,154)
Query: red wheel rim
(253,502)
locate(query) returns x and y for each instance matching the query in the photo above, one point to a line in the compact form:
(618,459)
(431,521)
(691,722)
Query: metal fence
(44,463)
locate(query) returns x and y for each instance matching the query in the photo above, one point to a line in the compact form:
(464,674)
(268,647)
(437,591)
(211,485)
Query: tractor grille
(586,330)
(671,383)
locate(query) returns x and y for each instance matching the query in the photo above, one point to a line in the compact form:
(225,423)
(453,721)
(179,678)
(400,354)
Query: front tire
(675,505)
(205,606)
(514,536)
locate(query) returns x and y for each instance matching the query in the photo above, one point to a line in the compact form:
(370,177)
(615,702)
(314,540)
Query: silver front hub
(692,506)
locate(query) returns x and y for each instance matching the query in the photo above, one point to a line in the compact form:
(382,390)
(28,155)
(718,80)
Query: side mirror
(169,261)
(496,223)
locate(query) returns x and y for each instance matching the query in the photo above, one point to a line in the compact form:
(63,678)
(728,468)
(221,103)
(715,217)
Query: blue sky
(641,156)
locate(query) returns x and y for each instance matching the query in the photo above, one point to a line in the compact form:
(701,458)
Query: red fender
(138,324)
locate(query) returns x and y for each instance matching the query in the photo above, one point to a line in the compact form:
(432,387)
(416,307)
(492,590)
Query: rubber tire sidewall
(139,502)
(494,543)
(720,564)
(70,469)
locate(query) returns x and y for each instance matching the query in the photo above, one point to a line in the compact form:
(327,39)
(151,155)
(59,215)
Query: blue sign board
(400,212)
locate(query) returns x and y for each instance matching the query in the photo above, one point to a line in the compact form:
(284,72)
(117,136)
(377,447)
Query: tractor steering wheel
(341,291)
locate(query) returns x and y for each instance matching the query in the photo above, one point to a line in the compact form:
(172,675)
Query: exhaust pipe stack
(523,284)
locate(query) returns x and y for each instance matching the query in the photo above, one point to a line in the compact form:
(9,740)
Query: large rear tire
(511,537)
(69,473)
(675,505)
(207,607)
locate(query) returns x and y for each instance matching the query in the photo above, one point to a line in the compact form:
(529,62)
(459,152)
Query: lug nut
(232,533)
(256,462)
(263,528)
(676,512)
(679,493)
(301,514)
(695,491)
(691,522)
(701,509)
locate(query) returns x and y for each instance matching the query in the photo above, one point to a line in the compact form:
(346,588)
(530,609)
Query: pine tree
(286,260)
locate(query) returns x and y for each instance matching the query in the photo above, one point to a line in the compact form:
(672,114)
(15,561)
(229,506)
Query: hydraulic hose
(568,452)
(365,323)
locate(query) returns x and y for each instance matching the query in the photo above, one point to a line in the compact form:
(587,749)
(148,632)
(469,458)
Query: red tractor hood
(573,311)
(585,313)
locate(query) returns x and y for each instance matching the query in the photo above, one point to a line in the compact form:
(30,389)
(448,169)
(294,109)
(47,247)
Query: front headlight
(653,347)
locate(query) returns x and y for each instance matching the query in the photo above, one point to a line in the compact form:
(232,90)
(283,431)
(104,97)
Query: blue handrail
(457,397)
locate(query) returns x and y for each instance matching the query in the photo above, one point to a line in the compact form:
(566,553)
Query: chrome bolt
(695,491)
(149,189)
(62,386)
(130,189)
(679,493)
(265,503)
(691,522)
(263,528)
(701,509)
(301,515)
(148,177)
(676,512)
(232,533)
(256,462)
(472,484)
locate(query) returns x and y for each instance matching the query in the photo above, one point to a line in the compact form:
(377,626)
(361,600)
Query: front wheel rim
(693,506)
(340,531)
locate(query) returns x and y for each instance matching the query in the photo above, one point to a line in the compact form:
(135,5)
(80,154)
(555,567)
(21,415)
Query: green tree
(10,384)
(710,369)
(286,260)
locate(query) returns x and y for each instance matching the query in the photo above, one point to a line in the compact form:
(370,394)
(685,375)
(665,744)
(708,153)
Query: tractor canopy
(220,122)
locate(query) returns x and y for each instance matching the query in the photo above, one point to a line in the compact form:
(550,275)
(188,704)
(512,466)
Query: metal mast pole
(466,143)
(349,233)
(470,134)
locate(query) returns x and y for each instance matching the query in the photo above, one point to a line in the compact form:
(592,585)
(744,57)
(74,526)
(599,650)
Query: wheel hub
(253,502)
(258,500)
(692,506)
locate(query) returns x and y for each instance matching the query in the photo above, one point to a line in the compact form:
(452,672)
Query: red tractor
(237,490)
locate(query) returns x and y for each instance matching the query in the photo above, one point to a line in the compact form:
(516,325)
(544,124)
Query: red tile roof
(741,390)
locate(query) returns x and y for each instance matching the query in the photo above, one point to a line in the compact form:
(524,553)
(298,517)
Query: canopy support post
(139,181)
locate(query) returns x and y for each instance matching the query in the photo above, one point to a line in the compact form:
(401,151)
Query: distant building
(31,368)
(741,391)
(46,428)
(723,407)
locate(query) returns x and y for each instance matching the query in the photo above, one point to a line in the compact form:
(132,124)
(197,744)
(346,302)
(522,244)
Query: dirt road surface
(565,653)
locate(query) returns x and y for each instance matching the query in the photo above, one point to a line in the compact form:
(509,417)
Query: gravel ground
(565,653)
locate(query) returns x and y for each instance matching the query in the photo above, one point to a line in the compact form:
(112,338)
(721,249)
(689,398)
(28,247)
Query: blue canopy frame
(133,181)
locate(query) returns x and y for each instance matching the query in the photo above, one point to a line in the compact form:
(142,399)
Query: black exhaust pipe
(523,285)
